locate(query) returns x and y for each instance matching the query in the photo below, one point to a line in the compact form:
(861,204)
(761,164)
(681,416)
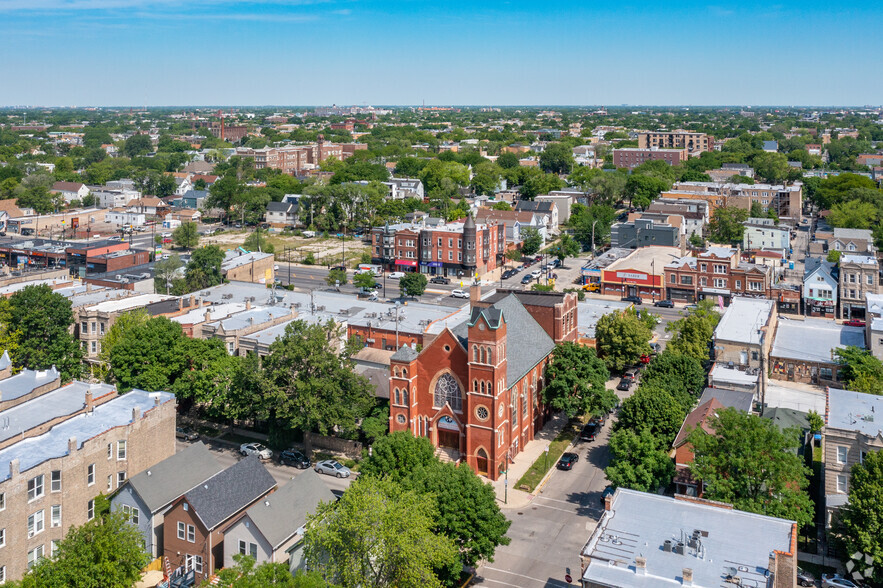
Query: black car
(295,458)
(664,304)
(589,432)
(527,279)
(632,299)
(439,280)
(338,267)
(625,384)
(567,460)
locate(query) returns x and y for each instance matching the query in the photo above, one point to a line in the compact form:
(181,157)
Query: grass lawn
(534,475)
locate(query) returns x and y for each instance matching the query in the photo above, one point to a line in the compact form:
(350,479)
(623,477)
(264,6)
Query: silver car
(332,468)
(255,449)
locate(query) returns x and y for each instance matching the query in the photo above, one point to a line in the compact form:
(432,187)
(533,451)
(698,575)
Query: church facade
(475,390)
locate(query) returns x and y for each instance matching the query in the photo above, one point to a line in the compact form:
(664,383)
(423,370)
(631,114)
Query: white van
(364,268)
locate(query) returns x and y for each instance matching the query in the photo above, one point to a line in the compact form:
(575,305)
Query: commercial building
(648,229)
(241,266)
(859,276)
(693,143)
(717,273)
(49,481)
(820,283)
(640,273)
(804,351)
(631,157)
(852,430)
(644,540)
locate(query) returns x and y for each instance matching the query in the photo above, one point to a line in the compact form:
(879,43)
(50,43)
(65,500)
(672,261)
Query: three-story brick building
(716,272)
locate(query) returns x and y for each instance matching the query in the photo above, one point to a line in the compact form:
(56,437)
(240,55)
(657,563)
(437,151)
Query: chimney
(641,565)
(89,403)
(687,575)
(683,241)
(71,445)
(180,303)
(136,414)
(13,468)
(192,300)
(248,305)
(88,287)
(475,293)
(608,502)
(208,315)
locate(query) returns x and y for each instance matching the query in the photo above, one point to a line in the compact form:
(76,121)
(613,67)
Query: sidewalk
(522,462)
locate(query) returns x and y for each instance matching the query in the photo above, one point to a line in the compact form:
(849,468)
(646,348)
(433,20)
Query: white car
(837,581)
(255,449)
(395,275)
(536,273)
(460,294)
(166,235)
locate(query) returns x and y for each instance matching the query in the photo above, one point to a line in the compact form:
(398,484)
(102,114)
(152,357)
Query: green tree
(107,552)
(501,206)
(577,381)
(186,235)
(639,461)
(756,210)
(147,356)
(508,160)
(861,519)
(697,241)
(399,456)
(566,247)
(336,277)
(674,371)
(772,167)
(365,280)
(311,384)
(556,158)
(119,331)
(40,321)
(206,376)
(204,269)
(377,534)
(860,370)
(853,214)
(654,408)
(137,145)
(740,180)
(749,462)
(413,284)
(692,334)
(486,178)
(621,340)
(816,422)
(167,272)
(642,190)
(257,241)
(531,241)
(535,182)
(376,424)
(245,574)
(834,256)
(726,225)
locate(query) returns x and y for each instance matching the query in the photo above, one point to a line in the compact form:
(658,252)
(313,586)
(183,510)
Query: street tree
(336,277)
(853,214)
(557,158)
(105,552)
(692,334)
(675,371)
(861,519)
(726,225)
(166,272)
(413,284)
(508,160)
(399,456)
(639,461)
(535,182)
(204,269)
(206,376)
(365,280)
(577,381)
(655,409)
(39,321)
(186,236)
(860,370)
(311,384)
(147,355)
(621,340)
(749,462)
(377,534)
(641,190)
(531,241)
(566,247)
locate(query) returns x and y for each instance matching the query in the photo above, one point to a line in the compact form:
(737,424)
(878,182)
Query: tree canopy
(413,284)
(639,460)
(186,235)
(862,519)
(577,381)
(726,225)
(621,339)
(860,370)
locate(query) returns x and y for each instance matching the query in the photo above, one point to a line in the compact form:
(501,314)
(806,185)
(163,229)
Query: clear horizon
(162,53)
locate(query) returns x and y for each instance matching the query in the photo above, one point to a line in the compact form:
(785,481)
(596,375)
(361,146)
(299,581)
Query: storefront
(820,308)
(406,265)
(432,268)
(628,282)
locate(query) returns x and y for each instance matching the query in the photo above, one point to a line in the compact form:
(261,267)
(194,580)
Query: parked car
(854,323)
(593,287)
(555,263)
(538,258)
(439,280)
(608,491)
(567,460)
(633,299)
(186,433)
(691,307)
(460,294)
(589,432)
(295,458)
(332,468)
(166,235)
(804,578)
(664,304)
(624,384)
(255,449)
(600,419)
(631,374)
(527,279)
(395,275)
(837,581)
(340,268)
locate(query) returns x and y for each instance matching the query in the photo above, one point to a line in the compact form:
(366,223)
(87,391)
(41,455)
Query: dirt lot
(325,251)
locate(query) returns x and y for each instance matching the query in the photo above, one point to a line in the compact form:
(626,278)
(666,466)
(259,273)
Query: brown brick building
(717,272)
(631,157)
(691,142)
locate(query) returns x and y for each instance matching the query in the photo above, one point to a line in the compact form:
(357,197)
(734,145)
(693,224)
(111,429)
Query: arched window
(404,396)
(397,399)
(524,401)
(404,372)
(475,353)
(483,355)
(482,387)
(490,387)
(514,403)
(475,385)
(395,372)
(490,355)
(447,390)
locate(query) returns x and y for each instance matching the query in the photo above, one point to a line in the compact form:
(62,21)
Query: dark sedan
(624,384)
(295,458)
(440,280)
(633,299)
(589,432)
(567,460)
(664,304)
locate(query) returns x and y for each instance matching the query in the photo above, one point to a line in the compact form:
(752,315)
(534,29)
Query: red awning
(406,262)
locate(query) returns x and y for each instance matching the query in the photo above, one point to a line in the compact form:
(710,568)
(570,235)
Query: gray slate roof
(229,491)
(527,343)
(161,484)
(405,353)
(283,512)
(737,399)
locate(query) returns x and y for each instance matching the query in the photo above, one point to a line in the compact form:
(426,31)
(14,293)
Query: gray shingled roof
(283,512)
(223,495)
(161,484)
(405,353)
(729,398)
(527,343)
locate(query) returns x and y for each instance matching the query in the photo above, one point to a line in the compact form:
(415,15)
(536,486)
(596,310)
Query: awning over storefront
(406,262)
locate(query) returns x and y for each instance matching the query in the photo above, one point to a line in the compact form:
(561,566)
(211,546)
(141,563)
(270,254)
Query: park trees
(413,284)
(749,462)
(621,339)
(38,321)
(577,381)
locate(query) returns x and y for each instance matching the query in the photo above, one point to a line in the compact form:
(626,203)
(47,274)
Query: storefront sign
(630,276)
(431,263)
(406,262)
(448,423)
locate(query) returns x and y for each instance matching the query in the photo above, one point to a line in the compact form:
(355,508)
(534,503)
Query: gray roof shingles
(161,484)
(226,493)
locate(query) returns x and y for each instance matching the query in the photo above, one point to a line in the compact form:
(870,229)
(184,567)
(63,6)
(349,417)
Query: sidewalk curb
(548,475)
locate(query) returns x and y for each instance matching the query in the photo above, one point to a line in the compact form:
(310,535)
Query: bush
(310,259)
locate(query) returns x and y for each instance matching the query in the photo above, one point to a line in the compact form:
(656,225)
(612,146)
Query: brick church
(474,390)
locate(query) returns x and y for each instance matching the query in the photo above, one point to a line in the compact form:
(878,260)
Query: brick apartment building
(785,201)
(297,159)
(631,157)
(693,143)
(50,481)
(460,249)
(716,272)
(859,276)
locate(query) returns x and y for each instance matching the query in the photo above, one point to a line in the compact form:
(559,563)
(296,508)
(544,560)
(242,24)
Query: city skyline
(163,53)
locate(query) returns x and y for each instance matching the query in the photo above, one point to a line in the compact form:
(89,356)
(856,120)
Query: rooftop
(647,259)
(730,542)
(54,443)
(590,310)
(814,340)
(859,259)
(235,258)
(217,499)
(130,303)
(25,382)
(738,399)
(743,319)
(855,411)
(247,318)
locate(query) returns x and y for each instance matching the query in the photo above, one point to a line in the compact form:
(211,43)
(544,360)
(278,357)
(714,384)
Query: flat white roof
(743,319)
(128,303)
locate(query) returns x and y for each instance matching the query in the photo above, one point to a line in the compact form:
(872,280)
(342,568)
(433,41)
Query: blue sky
(306,52)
